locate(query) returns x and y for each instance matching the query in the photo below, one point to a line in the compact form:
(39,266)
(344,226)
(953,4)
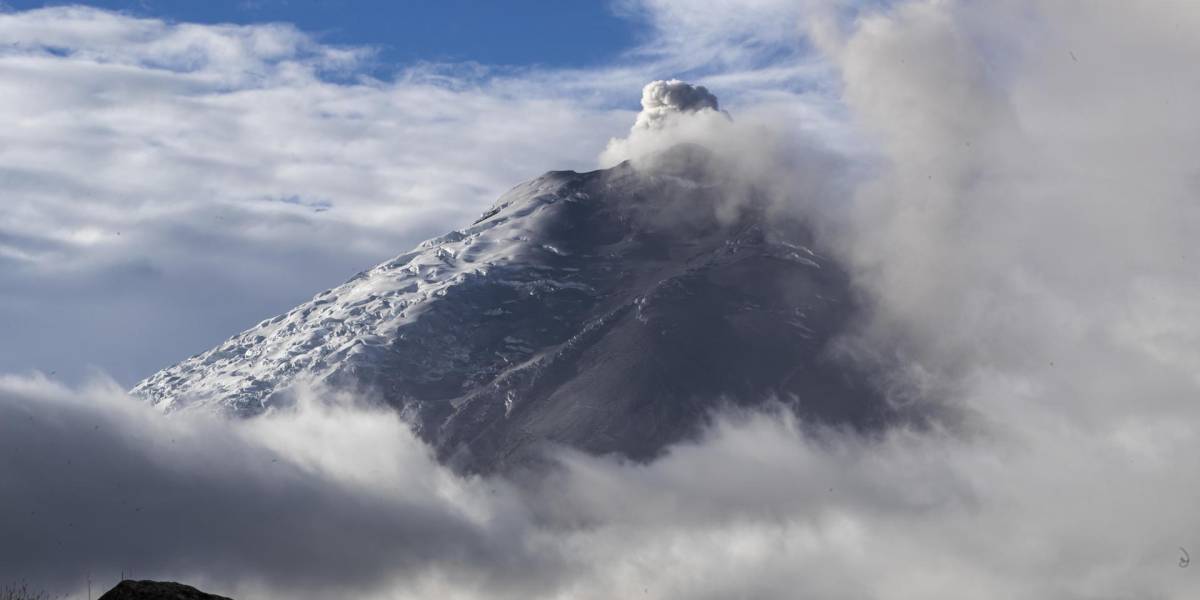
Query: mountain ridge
(608,311)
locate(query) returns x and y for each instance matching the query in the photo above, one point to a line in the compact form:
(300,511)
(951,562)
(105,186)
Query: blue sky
(570,33)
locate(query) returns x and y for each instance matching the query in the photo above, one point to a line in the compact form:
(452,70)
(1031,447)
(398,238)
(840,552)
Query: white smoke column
(673,112)
(764,154)
(662,99)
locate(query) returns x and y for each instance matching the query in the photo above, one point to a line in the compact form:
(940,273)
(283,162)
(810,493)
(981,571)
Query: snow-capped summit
(609,311)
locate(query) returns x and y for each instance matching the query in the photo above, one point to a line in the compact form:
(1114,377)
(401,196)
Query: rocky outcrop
(157,590)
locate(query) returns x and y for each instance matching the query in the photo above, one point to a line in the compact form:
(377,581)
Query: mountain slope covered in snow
(609,311)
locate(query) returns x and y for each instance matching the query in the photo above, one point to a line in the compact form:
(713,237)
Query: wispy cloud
(136,142)
(141,147)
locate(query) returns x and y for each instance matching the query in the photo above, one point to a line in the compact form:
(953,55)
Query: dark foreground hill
(156,590)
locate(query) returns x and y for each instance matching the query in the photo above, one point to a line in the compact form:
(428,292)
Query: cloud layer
(337,498)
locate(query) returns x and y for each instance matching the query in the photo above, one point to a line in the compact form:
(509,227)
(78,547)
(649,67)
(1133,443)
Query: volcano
(610,311)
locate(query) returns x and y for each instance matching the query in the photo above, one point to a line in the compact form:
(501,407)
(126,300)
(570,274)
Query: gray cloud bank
(326,498)
(337,499)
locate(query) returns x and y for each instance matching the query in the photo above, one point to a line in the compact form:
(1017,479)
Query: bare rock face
(608,311)
(156,590)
